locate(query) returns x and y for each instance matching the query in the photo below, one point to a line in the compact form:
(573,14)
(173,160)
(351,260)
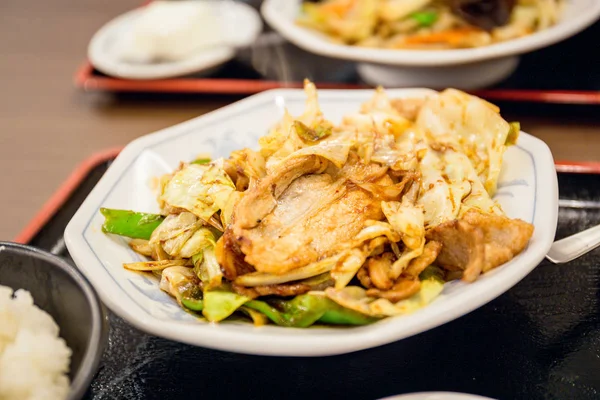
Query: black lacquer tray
(540,340)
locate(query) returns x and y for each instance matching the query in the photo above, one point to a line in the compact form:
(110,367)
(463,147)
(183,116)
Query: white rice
(34,360)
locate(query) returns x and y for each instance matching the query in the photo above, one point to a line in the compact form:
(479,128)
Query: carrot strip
(452,37)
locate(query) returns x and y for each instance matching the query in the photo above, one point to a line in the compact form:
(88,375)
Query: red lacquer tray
(90,80)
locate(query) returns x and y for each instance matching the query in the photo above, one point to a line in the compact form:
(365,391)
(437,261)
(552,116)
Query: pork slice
(504,237)
(262,199)
(462,248)
(313,219)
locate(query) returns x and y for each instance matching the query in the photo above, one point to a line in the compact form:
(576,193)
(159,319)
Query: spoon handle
(574,246)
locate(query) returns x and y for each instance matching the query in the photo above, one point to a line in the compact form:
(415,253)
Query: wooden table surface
(48,127)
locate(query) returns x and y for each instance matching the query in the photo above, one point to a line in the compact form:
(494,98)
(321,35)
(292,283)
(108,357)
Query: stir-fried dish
(335,223)
(428,24)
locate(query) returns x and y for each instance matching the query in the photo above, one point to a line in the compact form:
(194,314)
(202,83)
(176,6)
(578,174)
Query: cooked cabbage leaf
(177,281)
(355,298)
(408,220)
(200,189)
(220,304)
(456,119)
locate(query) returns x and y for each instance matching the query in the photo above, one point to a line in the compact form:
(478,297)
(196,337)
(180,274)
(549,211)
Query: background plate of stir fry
(316,223)
(427,32)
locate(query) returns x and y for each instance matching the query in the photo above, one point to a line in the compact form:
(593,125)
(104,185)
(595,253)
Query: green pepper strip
(300,312)
(201,161)
(129,223)
(425,18)
(192,304)
(338,315)
(296,316)
(305,310)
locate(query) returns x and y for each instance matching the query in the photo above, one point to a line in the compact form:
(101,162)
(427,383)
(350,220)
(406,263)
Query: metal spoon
(572,247)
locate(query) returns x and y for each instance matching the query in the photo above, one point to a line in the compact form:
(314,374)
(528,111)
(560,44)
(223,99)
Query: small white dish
(241,25)
(527,189)
(431,68)
(437,396)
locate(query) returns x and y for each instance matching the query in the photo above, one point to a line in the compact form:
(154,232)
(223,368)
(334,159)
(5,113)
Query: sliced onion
(310,270)
(141,246)
(154,265)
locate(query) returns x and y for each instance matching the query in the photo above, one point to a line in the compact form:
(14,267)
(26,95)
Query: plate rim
(447,396)
(274,343)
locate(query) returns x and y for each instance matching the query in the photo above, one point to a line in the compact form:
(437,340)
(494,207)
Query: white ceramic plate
(242,25)
(528,190)
(281,14)
(437,396)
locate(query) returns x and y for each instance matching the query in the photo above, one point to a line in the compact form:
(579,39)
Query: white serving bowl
(527,189)
(437,396)
(465,68)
